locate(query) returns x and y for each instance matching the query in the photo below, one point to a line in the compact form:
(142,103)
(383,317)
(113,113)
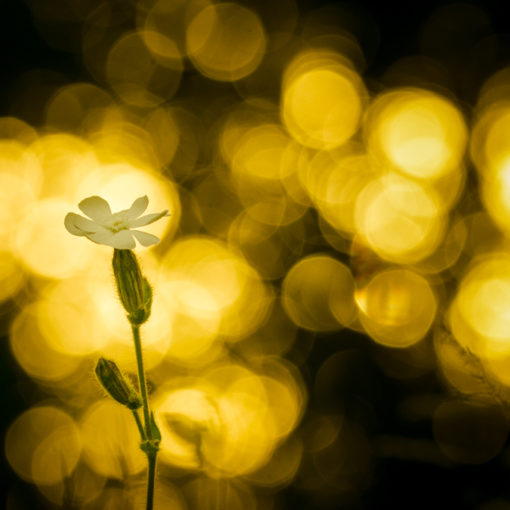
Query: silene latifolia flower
(113,229)
(135,293)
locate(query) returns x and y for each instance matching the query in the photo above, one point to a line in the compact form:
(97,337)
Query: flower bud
(134,290)
(117,386)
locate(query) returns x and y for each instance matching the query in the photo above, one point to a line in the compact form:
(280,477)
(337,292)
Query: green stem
(139,424)
(141,379)
(151,474)
(147,435)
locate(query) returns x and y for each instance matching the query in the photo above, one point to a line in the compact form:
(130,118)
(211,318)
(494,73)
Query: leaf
(155,432)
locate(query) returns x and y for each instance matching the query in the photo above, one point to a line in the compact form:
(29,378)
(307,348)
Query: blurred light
(110,440)
(153,80)
(318,294)
(12,277)
(20,182)
(87,305)
(334,182)
(163,48)
(283,466)
(397,307)
(400,219)
(470,432)
(495,89)
(214,292)
(166,496)
(169,19)
(163,126)
(43,244)
(345,462)
(209,493)
(479,316)
(14,129)
(116,138)
(43,445)
(322,99)
(65,161)
(230,422)
(261,154)
(270,249)
(77,107)
(320,431)
(225,41)
(84,485)
(496,193)
(460,367)
(489,146)
(448,252)
(491,155)
(417,131)
(33,352)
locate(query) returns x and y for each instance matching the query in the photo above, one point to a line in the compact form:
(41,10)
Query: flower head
(113,229)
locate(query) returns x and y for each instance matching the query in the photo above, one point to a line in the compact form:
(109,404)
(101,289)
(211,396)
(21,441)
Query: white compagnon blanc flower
(113,229)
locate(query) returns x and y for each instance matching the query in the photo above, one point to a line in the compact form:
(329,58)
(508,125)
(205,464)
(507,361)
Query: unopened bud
(134,290)
(117,386)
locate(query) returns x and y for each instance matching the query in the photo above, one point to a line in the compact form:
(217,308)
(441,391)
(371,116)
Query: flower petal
(144,238)
(137,207)
(122,240)
(80,226)
(101,236)
(96,208)
(148,218)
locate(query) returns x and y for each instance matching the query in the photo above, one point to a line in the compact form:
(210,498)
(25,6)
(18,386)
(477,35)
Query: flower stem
(148,433)
(151,474)
(141,378)
(139,424)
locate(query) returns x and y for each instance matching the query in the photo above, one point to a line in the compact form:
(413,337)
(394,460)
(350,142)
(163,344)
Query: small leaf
(155,432)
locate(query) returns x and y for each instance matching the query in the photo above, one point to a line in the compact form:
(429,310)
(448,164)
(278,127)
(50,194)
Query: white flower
(115,229)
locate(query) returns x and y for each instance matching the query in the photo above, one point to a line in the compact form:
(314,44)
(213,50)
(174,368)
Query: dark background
(397,483)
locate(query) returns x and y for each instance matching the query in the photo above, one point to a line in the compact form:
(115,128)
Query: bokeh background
(331,321)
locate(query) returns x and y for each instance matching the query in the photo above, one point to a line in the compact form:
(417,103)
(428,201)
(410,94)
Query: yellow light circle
(11,275)
(419,132)
(400,219)
(43,445)
(397,307)
(497,138)
(334,183)
(110,440)
(495,192)
(44,245)
(318,294)
(225,41)
(184,414)
(479,316)
(261,154)
(322,100)
(213,283)
(20,181)
(149,82)
(34,353)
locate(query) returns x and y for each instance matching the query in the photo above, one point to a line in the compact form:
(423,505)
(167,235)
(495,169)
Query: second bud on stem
(116,384)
